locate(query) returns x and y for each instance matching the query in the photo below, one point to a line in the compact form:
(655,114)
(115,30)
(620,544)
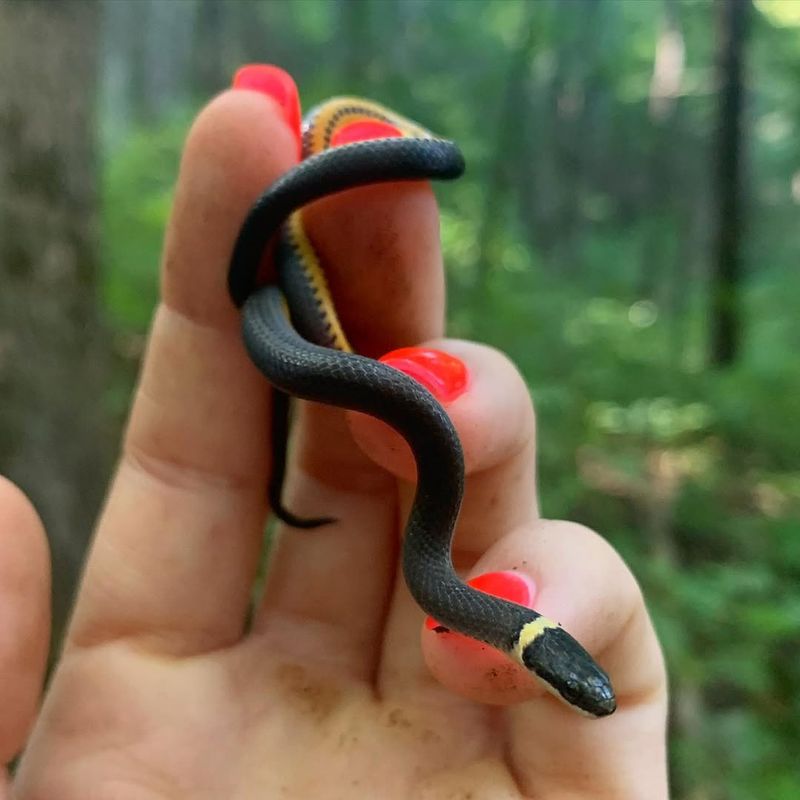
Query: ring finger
(495,422)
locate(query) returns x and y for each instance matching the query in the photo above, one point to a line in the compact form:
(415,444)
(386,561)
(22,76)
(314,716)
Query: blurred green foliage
(137,189)
(692,473)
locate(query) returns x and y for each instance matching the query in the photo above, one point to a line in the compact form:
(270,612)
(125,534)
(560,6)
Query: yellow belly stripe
(317,281)
(340,111)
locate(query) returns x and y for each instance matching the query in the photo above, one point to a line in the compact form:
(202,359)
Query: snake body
(309,358)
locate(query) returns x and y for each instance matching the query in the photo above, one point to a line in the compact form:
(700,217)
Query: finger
(178,542)
(494,418)
(495,422)
(578,580)
(584,583)
(388,288)
(24,617)
(381,248)
(555,752)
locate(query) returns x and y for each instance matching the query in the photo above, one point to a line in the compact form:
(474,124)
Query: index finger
(24,618)
(178,542)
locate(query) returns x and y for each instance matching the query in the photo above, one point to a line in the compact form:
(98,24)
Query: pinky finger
(24,620)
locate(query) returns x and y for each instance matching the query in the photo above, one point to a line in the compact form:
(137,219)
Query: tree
(54,350)
(725,312)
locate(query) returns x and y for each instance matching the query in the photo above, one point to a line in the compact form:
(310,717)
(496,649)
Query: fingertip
(24,615)
(20,524)
(238,145)
(277,84)
(474,669)
(238,132)
(482,392)
(444,375)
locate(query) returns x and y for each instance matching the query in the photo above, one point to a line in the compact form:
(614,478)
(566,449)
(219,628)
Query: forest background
(627,231)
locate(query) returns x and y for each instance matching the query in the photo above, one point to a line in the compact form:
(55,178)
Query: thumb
(24,619)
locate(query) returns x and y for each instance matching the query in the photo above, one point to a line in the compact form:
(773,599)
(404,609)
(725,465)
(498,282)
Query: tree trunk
(504,159)
(725,306)
(209,72)
(355,21)
(53,354)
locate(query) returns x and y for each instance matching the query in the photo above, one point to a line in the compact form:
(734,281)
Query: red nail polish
(509,585)
(444,376)
(277,84)
(365,129)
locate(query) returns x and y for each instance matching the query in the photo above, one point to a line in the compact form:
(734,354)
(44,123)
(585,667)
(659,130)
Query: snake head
(569,672)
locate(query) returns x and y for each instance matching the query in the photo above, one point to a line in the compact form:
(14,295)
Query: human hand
(337,690)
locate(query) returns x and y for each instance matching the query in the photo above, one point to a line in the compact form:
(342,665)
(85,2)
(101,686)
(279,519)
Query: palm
(248,722)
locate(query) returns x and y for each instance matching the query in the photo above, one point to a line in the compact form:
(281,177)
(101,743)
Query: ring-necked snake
(306,355)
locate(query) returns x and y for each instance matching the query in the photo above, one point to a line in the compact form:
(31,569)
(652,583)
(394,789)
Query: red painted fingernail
(444,376)
(366,129)
(509,585)
(277,84)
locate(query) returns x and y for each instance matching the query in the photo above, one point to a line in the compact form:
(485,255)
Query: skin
(337,691)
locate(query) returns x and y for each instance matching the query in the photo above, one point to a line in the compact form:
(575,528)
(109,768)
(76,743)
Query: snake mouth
(570,673)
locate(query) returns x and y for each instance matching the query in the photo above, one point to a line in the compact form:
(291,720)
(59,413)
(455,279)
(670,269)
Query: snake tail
(280,445)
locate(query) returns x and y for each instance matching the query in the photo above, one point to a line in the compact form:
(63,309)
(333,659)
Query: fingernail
(444,376)
(363,130)
(277,84)
(509,585)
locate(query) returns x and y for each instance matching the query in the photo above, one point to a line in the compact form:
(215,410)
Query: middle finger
(389,290)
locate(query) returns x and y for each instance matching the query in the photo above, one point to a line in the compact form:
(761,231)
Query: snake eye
(571,690)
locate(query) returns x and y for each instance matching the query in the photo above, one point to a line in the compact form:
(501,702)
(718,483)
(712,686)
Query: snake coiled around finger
(293,335)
